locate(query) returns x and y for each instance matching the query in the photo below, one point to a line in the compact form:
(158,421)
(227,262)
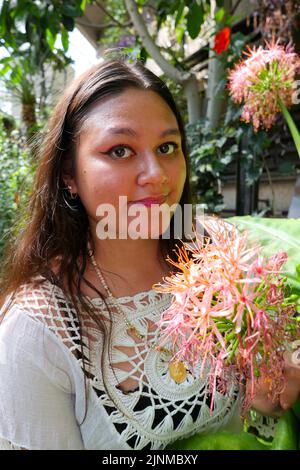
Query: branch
(102,26)
(140,27)
(102,7)
(234,8)
(168,50)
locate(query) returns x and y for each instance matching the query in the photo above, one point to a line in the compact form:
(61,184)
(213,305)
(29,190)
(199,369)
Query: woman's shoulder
(42,297)
(40,373)
(41,300)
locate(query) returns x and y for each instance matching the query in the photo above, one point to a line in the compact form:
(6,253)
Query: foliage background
(17,170)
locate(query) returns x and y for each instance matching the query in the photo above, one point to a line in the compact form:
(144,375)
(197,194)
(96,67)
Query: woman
(79,363)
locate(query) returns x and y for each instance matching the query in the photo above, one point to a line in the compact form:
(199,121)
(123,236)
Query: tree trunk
(214,102)
(29,117)
(193,99)
(216,73)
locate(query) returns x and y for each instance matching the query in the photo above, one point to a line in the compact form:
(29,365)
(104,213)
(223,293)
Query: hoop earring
(72,195)
(68,199)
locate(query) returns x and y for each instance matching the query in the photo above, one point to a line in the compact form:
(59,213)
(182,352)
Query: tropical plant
(211,151)
(31,52)
(216,152)
(273,234)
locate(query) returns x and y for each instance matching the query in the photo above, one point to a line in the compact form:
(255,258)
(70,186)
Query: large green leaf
(65,39)
(221,440)
(274,235)
(195,18)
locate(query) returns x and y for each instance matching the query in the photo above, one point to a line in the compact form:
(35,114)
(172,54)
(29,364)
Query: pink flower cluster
(228,308)
(265,77)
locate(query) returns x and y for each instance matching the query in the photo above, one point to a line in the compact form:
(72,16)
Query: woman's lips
(149,201)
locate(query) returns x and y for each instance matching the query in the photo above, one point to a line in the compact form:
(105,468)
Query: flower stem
(291,124)
(233,350)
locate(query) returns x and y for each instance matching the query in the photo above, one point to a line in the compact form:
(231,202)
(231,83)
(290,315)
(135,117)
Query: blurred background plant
(17,170)
(34,41)
(212,151)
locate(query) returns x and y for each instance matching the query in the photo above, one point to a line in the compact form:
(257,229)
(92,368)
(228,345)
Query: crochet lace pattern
(148,409)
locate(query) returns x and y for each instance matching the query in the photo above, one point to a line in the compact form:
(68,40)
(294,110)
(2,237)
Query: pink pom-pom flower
(228,309)
(265,78)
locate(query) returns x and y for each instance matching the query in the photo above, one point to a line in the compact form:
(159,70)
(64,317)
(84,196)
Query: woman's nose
(151,170)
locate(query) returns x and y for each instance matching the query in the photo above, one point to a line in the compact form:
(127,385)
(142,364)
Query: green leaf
(143,54)
(220,142)
(179,13)
(16,75)
(32,9)
(4,13)
(222,440)
(65,39)
(4,70)
(219,15)
(274,235)
(71,10)
(195,19)
(50,38)
(232,19)
(69,23)
(234,148)
(296,409)
(6,60)
(293,281)
(285,437)
(226,159)
(20,12)
(253,175)
(173,6)
(83,5)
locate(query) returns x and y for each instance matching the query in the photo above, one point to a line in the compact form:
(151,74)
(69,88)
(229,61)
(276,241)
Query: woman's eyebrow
(131,132)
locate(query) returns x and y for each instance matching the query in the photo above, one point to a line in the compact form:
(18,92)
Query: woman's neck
(124,254)
(129,266)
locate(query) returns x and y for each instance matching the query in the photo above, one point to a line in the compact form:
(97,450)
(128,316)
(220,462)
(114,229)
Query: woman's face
(130,146)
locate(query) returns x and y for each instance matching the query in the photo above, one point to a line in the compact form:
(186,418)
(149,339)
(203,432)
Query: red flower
(222,40)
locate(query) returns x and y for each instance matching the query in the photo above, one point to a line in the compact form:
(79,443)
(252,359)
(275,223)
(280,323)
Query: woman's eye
(168,147)
(119,152)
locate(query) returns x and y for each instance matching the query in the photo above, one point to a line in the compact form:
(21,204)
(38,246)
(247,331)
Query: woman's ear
(68,175)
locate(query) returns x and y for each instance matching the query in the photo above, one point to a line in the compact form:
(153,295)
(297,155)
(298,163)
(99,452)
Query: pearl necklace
(177,369)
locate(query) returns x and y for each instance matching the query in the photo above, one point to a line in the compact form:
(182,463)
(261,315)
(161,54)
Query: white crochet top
(42,390)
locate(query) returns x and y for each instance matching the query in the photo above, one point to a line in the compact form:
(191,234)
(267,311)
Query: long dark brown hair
(53,227)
